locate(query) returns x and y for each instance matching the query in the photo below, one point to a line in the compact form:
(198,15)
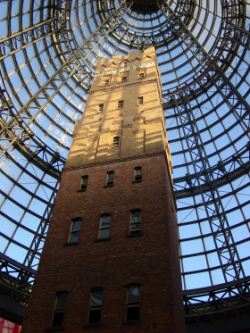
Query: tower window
(124,78)
(110,178)
(116,141)
(137,175)
(120,104)
(135,222)
(133,303)
(84,183)
(104,227)
(107,80)
(124,64)
(141,75)
(101,107)
(74,233)
(140,100)
(95,305)
(59,308)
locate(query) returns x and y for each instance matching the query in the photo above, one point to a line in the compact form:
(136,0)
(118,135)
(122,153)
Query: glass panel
(133,294)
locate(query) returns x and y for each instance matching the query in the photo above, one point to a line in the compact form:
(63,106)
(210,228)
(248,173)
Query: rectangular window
(116,141)
(95,305)
(120,104)
(84,183)
(124,64)
(74,233)
(101,107)
(107,79)
(137,176)
(140,100)
(141,75)
(104,227)
(59,308)
(124,78)
(135,226)
(110,178)
(133,303)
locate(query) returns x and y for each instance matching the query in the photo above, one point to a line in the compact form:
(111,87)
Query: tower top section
(123,118)
(126,69)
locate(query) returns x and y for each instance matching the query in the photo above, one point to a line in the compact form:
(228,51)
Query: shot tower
(110,263)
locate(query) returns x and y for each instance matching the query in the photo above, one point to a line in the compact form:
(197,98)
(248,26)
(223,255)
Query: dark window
(59,308)
(84,183)
(140,100)
(116,141)
(137,176)
(104,227)
(101,107)
(107,80)
(120,104)
(135,226)
(110,178)
(95,305)
(141,75)
(74,233)
(133,303)
(124,78)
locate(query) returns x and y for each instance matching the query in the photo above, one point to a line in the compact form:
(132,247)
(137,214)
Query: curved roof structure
(48,51)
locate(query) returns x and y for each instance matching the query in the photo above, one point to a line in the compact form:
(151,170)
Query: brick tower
(110,263)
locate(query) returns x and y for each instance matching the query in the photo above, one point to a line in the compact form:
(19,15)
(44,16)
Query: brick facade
(149,259)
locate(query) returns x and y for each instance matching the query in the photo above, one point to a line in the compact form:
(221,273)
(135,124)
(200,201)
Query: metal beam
(17,41)
(221,173)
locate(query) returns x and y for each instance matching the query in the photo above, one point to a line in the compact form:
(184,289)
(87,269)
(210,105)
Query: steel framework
(47,60)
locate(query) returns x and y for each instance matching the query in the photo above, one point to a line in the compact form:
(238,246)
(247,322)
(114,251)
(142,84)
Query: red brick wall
(150,260)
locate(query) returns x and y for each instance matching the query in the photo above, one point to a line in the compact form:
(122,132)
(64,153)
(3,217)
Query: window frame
(74,231)
(135,227)
(104,225)
(59,311)
(124,77)
(95,308)
(140,100)
(137,174)
(107,79)
(116,141)
(130,304)
(141,74)
(101,107)
(120,104)
(109,180)
(84,183)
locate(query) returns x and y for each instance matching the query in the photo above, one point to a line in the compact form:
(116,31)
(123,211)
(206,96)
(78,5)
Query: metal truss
(22,39)
(222,173)
(217,60)
(14,134)
(13,124)
(214,73)
(227,251)
(162,34)
(213,300)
